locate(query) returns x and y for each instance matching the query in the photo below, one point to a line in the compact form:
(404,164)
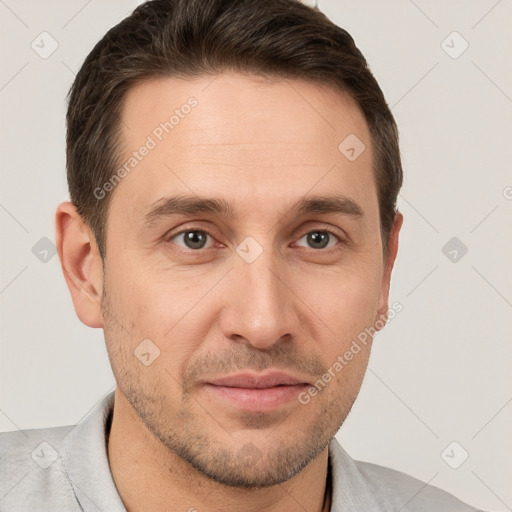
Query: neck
(149,477)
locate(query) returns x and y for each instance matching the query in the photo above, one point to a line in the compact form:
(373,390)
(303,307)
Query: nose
(259,305)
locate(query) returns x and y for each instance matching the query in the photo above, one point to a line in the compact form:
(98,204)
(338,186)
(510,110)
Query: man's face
(260,290)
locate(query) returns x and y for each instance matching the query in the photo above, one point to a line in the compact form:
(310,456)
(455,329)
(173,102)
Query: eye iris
(195,239)
(318,237)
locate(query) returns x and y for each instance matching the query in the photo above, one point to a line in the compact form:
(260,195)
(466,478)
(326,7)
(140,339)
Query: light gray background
(440,371)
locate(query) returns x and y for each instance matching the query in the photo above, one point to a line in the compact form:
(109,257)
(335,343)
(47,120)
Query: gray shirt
(67,469)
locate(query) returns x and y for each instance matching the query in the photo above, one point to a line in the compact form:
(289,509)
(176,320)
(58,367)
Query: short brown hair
(187,38)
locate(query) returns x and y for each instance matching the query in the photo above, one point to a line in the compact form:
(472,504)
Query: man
(233,170)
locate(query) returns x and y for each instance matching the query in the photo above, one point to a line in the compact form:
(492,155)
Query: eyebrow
(192,205)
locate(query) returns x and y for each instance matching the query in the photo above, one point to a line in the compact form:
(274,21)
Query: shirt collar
(86,463)
(86,460)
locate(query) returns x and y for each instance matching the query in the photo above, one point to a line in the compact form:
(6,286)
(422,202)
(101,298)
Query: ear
(81,264)
(382,312)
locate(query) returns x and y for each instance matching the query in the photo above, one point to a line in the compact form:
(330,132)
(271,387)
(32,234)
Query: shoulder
(31,467)
(397,489)
(32,446)
(361,485)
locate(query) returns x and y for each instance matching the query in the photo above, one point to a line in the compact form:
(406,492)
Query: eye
(320,238)
(197,239)
(193,239)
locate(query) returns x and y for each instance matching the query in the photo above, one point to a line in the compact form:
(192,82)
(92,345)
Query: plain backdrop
(440,371)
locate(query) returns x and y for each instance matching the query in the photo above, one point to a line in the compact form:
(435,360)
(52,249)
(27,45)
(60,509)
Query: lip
(257,380)
(256,392)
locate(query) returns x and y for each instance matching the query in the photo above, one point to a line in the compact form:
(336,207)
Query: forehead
(241,137)
(232,107)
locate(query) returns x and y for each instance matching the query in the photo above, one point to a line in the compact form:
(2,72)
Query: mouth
(256,392)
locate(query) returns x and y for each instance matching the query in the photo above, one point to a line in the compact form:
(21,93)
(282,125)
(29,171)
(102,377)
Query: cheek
(168,311)
(144,362)
(346,300)
(152,300)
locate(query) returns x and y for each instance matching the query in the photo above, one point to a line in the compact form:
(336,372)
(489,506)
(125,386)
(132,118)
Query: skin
(260,145)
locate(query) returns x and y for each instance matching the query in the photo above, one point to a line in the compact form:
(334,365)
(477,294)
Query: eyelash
(202,230)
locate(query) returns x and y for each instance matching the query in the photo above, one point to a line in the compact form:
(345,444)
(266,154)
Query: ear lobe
(388,267)
(81,264)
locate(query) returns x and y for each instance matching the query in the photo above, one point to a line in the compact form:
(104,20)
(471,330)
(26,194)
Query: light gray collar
(86,463)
